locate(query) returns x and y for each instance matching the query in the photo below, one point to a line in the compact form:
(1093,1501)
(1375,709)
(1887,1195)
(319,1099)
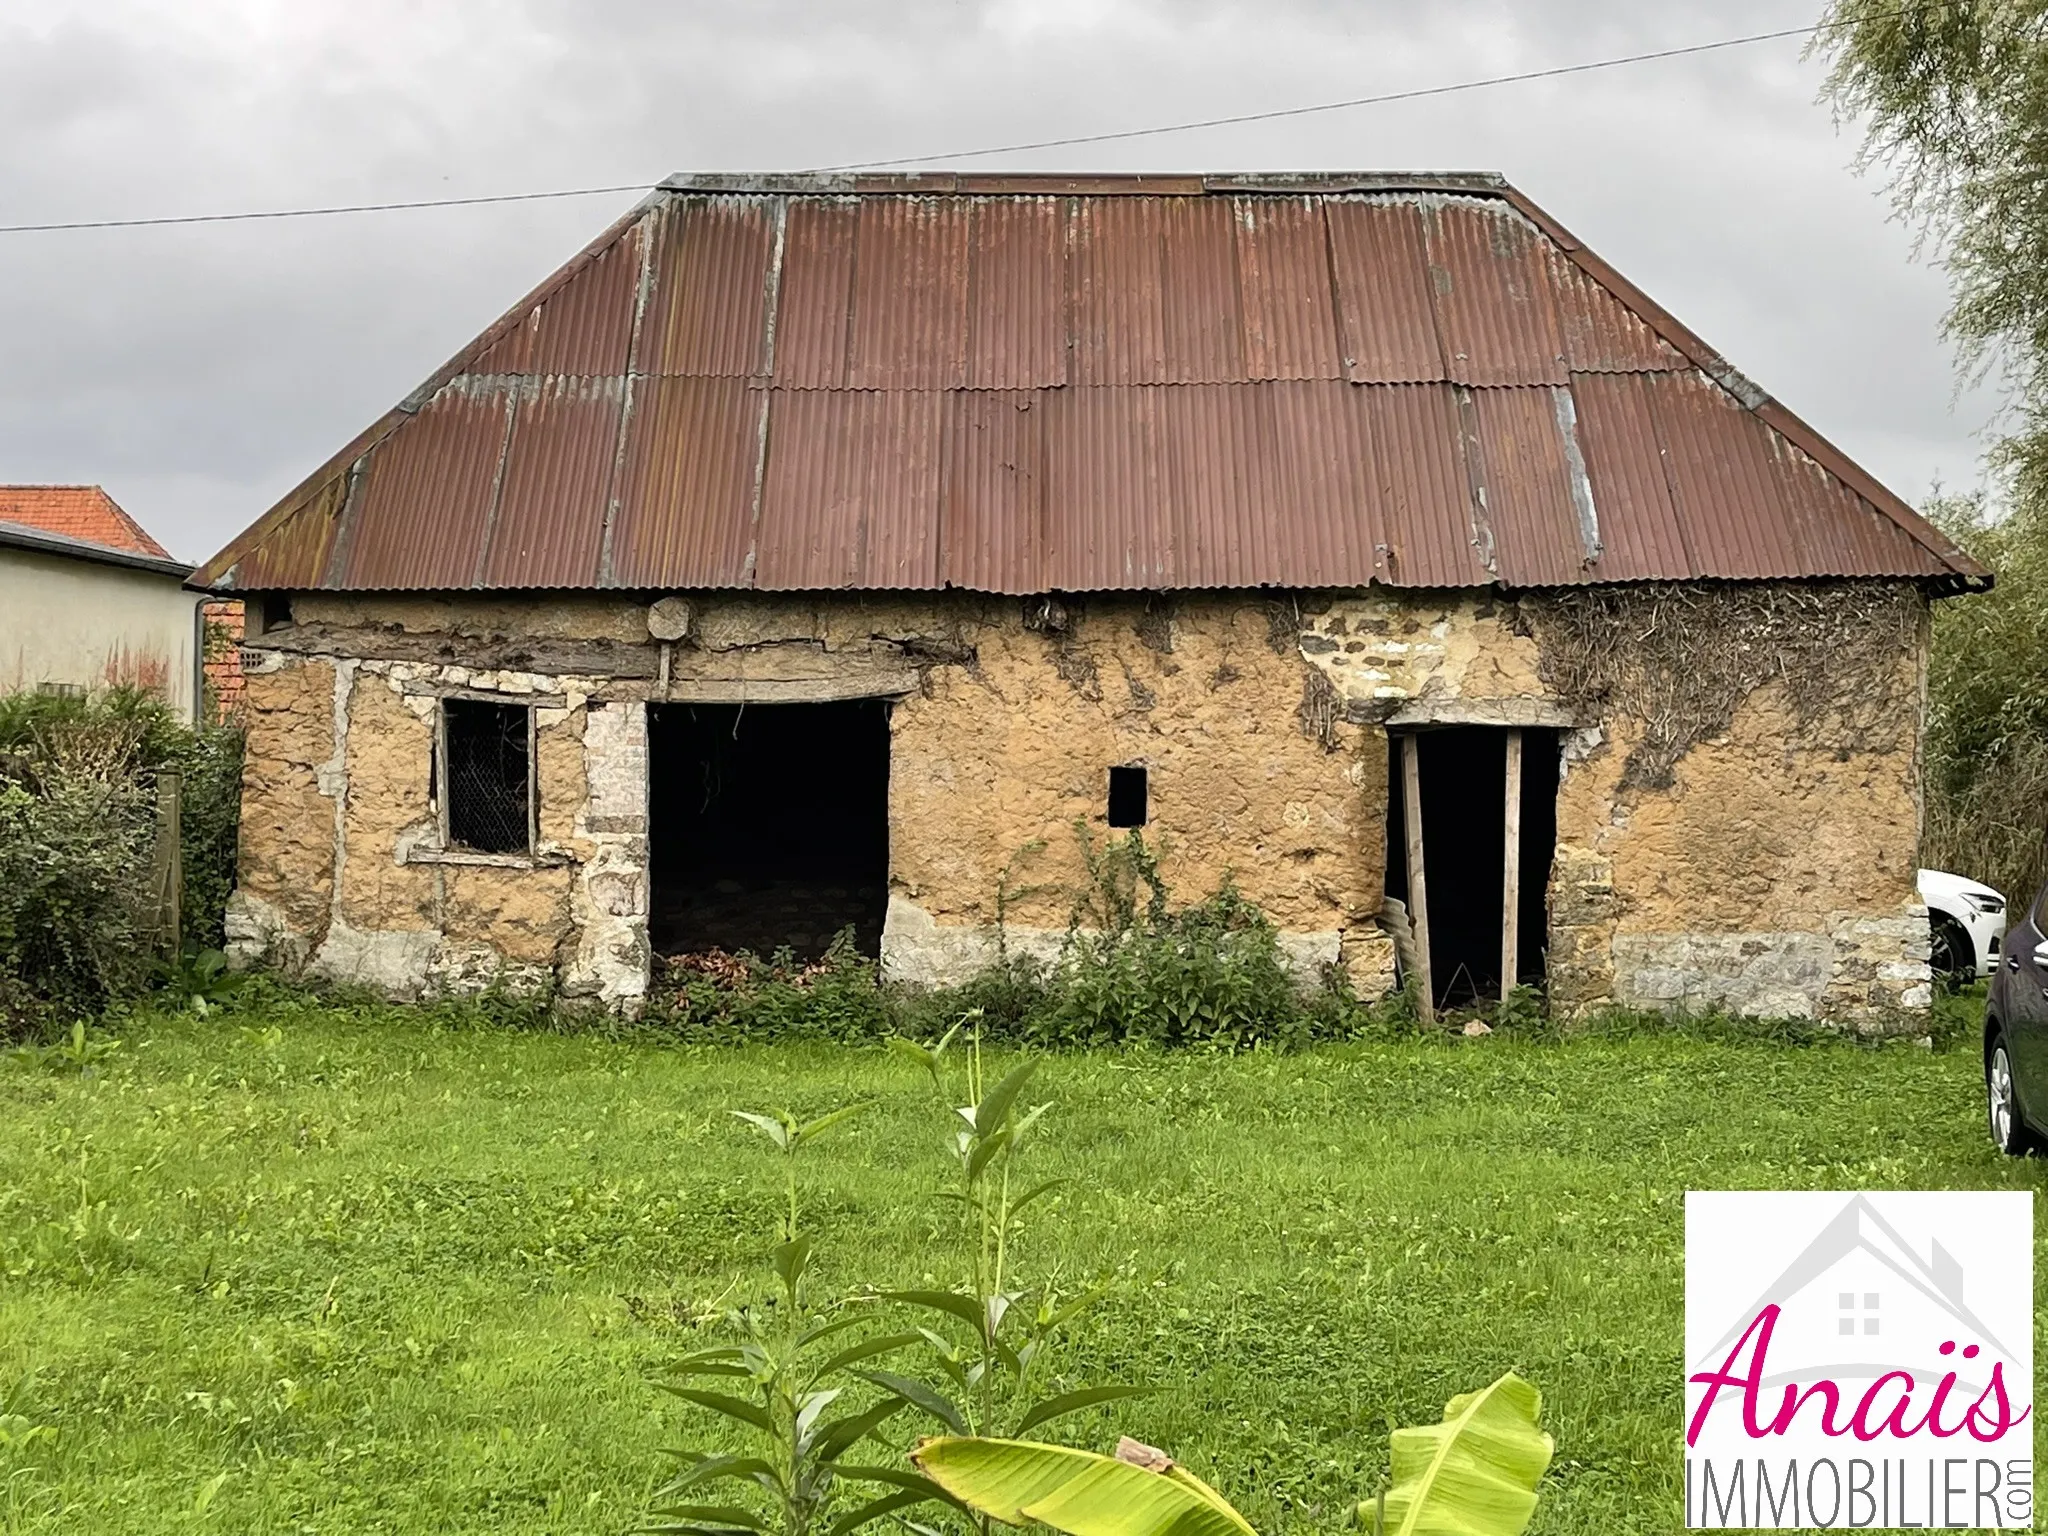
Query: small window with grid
(486,775)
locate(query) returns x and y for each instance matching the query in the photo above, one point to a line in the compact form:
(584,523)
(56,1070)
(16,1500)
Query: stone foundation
(1773,875)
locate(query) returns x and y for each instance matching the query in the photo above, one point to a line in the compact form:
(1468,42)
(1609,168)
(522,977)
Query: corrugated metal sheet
(709,304)
(1733,510)
(1283,264)
(1106,490)
(910,294)
(814,308)
(583,327)
(303,541)
(1037,384)
(992,505)
(1195,294)
(851,494)
(1118,282)
(1601,334)
(1526,477)
(686,495)
(1638,521)
(1381,270)
(548,528)
(1331,509)
(1493,298)
(421,513)
(1421,483)
(1016,299)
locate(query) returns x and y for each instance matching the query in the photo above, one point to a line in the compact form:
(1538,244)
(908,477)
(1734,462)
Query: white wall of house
(67,622)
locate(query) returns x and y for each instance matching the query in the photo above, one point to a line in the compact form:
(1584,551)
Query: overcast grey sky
(199,372)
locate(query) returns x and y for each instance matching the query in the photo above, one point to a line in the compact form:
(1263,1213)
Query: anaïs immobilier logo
(1859,1361)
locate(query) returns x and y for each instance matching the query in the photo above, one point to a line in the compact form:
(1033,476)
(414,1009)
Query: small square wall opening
(273,611)
(1128,796)
(485,757)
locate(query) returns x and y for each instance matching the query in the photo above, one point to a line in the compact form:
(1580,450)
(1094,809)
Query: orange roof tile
(77,512)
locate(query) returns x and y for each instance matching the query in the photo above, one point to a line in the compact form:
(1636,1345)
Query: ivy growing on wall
(1680,659)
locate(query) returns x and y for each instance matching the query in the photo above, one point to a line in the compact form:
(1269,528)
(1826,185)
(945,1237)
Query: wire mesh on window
(487,776)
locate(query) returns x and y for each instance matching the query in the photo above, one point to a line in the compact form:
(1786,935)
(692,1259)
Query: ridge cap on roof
(1091,183)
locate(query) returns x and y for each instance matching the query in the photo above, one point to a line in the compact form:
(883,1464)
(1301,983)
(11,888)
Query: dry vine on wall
(1681,660)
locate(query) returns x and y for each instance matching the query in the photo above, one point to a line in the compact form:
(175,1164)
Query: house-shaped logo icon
(1859,1300)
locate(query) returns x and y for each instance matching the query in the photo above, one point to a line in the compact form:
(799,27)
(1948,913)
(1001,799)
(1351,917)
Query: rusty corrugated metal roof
(1025,383)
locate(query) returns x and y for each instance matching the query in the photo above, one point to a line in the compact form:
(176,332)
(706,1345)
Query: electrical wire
(1118,135)
(319,213)
(1417,94)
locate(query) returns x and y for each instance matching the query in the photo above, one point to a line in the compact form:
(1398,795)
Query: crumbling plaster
(1775,874)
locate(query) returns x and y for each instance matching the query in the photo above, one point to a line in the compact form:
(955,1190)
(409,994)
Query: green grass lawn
(329,1272)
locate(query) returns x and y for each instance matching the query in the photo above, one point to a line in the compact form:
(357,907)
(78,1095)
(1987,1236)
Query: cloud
(200,372)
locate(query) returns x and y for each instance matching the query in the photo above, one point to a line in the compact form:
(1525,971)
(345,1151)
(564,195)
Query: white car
(1967,919)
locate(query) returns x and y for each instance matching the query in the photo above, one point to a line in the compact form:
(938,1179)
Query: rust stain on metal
(1625,463)
(1283,263)
(1493,299)
(551,503)
(1016,299)
(422,508)
(687,492)
(1381,270)
(1027,384)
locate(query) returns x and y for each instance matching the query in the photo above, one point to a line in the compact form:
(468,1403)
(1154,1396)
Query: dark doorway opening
(1462,773)
(768,826)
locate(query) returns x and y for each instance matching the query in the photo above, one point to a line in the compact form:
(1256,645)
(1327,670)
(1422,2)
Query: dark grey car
(2016,1035)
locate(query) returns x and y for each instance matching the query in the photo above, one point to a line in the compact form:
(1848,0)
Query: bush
(72,931)
(1987,725)
(733,998)
(1209,975)
(1132,970)
(77,829)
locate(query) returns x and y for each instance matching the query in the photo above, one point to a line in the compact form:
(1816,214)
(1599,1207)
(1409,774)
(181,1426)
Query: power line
(1364,101)
(320,213)
(1276,114)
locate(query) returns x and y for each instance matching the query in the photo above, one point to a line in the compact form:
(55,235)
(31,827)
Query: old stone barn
(819,552)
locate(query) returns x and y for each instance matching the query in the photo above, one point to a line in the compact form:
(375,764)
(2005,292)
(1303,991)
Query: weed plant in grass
(297,1268)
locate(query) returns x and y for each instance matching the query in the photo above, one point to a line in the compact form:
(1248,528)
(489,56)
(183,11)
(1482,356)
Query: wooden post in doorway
(1511,868)
(167,871)
(1418,894)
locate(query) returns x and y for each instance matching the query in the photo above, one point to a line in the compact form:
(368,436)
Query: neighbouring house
(89,600)
(823,551)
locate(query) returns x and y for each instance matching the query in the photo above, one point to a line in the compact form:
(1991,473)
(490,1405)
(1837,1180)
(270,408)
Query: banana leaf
(1077,1492)
(1475,1474)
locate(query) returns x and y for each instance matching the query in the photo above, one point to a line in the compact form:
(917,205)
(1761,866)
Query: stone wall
(1773,872)
(994,765)
(343,874)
